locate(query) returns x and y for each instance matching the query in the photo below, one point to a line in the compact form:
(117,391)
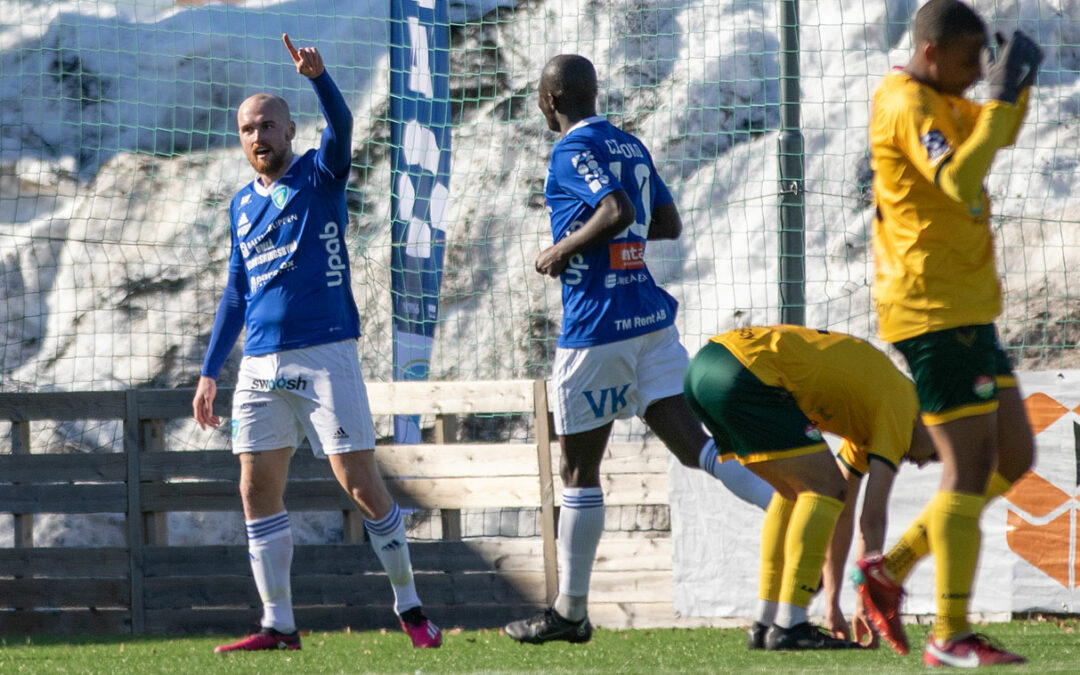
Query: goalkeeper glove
(1015,67)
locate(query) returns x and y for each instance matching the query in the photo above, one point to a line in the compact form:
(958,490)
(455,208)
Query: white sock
(270,547)
(581,523)
(388,539)
(743,483)
(766,612)
(788,615)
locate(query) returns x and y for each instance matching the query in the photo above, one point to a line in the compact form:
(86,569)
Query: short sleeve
(578,170)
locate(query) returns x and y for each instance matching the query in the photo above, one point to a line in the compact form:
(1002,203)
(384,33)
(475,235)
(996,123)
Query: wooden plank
(152,439)
(472,554)
(438,588)
(93,563)
(37,592)
(371,590)
(81,498)
(355,532)
(446,430)
(65,622)
(198,465)
(451,493)
(66,468)
(627,458)
(459,460)
(545,475)
(462,460)
(62,406)
(23,523)
(480,492)
(324,495)
(326,590)
(134,520)
(169,404)
(433,398)
(315,559)
(20,438)
(628,489)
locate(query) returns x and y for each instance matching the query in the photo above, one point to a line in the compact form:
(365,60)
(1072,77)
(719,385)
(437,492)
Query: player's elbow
(625,213)
(344,126)
(958,189)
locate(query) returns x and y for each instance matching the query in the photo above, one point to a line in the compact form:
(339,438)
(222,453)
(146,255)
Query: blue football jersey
(608,294)
(289,241)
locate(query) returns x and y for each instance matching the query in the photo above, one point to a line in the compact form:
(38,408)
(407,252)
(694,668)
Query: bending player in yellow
(937,295)
(766,394)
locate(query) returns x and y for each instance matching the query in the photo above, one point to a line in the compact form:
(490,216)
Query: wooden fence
(150,586)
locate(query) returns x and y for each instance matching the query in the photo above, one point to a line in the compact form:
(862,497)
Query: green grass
(1051,646)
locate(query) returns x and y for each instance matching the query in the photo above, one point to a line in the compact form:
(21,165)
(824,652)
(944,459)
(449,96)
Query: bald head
(266,134)
(567,91)
(570,76)
(265,104)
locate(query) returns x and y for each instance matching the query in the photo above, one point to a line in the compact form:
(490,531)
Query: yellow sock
(953,532)
(808,535)
(913,545)
(773,531)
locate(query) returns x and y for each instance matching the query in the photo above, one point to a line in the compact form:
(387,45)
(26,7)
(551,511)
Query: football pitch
(1050,646)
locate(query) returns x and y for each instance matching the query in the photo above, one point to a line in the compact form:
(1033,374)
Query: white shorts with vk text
(592,386)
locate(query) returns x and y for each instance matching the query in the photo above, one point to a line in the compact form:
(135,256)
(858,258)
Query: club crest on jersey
(984,386)
(935,144)
(280,195)
(812,432)
(590,170)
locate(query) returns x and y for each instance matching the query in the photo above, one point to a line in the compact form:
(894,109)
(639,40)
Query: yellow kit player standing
(937,295)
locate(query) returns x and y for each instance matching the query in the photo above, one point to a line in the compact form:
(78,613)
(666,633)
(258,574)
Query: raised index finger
(292,50)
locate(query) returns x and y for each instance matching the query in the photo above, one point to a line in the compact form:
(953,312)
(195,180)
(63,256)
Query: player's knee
(579,476)
(840,491)
(831,490)
(259,498)
(364,493)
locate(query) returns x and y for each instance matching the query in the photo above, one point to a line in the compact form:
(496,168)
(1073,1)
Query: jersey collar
(584,123)
(265,191)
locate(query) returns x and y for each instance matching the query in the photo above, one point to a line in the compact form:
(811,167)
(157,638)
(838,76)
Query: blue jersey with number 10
(608,293)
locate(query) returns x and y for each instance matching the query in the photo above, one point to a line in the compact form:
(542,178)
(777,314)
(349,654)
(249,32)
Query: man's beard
(269,163)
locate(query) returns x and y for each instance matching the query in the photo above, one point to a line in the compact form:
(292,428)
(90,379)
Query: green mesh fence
(118,157)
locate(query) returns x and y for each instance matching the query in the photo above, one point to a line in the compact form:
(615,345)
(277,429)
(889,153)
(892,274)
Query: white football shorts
(316,392)
(592,386)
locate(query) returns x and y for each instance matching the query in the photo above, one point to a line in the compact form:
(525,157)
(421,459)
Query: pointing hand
(308,61)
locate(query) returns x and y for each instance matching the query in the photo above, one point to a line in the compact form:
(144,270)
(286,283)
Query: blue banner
(420,182)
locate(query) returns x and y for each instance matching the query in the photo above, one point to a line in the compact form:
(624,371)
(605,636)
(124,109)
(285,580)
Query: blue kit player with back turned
(618,353)
(289,286)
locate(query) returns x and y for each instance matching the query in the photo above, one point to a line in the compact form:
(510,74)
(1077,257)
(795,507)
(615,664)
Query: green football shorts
(957,371)
(748,419)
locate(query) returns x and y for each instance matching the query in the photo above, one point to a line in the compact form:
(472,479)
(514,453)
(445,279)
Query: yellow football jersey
(844,385)
(934,256)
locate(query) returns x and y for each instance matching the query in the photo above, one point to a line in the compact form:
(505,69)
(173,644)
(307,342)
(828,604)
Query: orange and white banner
(1030,558)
